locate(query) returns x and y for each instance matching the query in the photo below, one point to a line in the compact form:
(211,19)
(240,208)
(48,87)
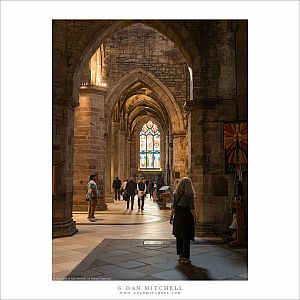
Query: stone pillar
(82,152)
(163,160)
(170,151)
(180,154)
(167,162)
(114,150)
(62,161)
(89,146)
(121,156)
(127,158)
(62,136)
(205,161)
(108,177)
(133,159)
(195,146)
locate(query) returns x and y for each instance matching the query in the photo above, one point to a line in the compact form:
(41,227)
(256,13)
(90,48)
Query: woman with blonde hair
(184,218)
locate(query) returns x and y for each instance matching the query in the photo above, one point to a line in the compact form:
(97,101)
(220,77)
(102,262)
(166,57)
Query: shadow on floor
(136,259)
(194,272)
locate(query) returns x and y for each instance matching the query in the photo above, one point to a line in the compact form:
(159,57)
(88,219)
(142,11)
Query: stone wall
(214,69)
(223,98)
(89,146)
(139,46)
(62,161)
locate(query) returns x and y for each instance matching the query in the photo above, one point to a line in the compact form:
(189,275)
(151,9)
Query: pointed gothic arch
(145,77)
(173,30)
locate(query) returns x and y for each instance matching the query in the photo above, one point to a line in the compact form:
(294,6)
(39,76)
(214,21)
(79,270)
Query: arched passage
(112,132)
(213,79)
(163,110)
(164,95)
(176,32)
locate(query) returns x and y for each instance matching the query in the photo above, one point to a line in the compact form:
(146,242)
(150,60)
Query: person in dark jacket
(131,192)
(184,218)
(151,188)
(117,188)
(141,189)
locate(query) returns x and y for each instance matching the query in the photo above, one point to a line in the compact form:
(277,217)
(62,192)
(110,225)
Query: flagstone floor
(135,245)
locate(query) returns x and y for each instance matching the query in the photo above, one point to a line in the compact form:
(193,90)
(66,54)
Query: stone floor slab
(131,264)
(145,251)
(150,269)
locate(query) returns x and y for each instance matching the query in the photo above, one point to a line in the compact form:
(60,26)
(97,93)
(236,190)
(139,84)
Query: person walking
(131,192)
(183,212)
(141,189)
(151,188)
(92,194)
(117,187)
(123,187)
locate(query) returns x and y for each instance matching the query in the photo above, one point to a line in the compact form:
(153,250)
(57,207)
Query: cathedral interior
(150,99)
(112,79)
(154,90)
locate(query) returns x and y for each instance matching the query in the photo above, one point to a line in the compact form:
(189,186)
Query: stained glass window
(150,146)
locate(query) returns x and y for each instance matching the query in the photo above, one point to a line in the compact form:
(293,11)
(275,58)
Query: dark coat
(151,186)
(141,186)
(183,225)
(117,184)
(131,187)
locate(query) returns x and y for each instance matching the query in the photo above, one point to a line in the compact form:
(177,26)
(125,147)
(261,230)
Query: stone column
(81,171)
(170,151)
(167,162)
(62,136)
(114,150)
(205,160)
(121,156)
(108,177)
(89,146)
(163,159)
(127,158)
(180,154)
(132,155)
(62,161)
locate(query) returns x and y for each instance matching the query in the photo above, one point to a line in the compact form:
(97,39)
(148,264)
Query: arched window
(150,146)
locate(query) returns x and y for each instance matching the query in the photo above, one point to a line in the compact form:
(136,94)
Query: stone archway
(165,96)
(76,56)
(176,32)
(181,38)
(210,47)
(174,119)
